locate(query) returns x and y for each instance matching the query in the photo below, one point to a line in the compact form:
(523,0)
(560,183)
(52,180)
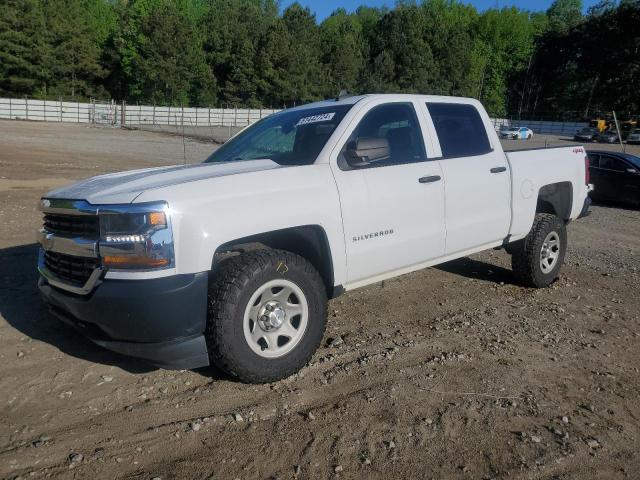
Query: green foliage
(305,75)
(23,48)
(564,15)
(343,51)
(509,35)
(74,62)
(591,69)
(250,53)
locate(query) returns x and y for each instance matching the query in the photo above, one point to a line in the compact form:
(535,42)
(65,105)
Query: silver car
(634,136)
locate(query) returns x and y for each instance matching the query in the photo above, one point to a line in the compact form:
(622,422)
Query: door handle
(498,169)
(430,179)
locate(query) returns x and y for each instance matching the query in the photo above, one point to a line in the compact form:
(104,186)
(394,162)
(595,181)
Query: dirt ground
(452,372)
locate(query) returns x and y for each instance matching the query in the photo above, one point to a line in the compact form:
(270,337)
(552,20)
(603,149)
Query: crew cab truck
(231,261)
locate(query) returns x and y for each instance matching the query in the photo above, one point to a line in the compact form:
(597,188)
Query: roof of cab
(351,100)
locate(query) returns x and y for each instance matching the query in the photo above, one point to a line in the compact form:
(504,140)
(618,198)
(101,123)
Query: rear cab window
(460,129)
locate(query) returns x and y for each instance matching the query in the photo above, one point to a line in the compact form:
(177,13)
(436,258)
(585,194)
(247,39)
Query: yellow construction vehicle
(602,124)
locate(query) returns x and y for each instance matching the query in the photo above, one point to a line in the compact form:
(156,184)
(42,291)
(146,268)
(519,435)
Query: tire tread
(225,289)
(525,257)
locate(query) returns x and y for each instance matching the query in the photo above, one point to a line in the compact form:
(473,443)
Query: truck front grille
(85,226)
(74,270)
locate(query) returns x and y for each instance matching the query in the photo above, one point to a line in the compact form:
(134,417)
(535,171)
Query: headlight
(136,237)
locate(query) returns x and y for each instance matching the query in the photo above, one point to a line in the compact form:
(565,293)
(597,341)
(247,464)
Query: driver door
(392,209)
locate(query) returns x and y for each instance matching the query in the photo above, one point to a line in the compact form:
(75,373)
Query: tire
(531,254)
(240,339)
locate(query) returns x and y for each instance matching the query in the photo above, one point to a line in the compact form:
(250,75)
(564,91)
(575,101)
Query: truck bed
(533,168)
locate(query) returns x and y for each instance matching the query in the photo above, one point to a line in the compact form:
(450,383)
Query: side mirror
(367,150)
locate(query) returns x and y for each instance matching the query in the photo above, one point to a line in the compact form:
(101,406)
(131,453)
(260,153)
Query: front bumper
(159,320)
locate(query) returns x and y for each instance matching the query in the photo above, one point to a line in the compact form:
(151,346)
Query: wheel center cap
(272,316)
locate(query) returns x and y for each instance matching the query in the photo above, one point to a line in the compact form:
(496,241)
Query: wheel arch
(556,199)
(308,241)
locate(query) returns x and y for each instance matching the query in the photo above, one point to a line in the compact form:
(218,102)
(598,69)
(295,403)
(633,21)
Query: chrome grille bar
(69,255)
(78,247)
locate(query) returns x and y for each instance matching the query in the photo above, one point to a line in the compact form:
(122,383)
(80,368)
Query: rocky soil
(453,372)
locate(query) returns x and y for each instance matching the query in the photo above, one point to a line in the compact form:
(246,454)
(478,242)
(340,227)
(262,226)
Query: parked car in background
(615,176)
(634,137)
(515,133)
(608,137)
(586,134)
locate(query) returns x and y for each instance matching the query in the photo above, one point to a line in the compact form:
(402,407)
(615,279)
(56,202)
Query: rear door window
(460,129)
(612,163)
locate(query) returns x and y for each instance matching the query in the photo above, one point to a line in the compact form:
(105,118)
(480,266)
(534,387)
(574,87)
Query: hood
(124,187)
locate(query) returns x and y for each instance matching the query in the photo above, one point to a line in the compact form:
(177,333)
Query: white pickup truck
(231,261)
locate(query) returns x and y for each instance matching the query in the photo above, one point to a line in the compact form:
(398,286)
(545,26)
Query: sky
(323,8)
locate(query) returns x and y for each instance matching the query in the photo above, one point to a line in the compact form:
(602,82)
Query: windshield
(293,137)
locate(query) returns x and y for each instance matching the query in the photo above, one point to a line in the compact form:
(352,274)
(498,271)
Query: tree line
(553,64)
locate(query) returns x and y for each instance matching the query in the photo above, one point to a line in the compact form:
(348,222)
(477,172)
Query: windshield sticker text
(325,117)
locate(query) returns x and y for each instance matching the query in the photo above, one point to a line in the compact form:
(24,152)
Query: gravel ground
(451,372)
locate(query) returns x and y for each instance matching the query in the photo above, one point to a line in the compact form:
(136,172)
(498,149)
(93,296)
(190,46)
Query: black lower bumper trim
(158,320)
(177,354)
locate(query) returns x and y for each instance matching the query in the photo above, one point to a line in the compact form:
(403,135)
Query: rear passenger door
(615,182)
(476,178)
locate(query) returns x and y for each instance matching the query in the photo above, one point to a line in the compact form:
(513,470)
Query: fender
(211,214)
(308,241)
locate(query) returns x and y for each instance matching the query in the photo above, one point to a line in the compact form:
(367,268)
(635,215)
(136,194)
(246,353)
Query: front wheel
(536,260)
(267,315)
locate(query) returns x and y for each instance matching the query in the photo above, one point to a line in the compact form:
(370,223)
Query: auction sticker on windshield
(325,117)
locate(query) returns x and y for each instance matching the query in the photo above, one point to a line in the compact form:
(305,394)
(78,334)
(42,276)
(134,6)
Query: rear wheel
(537,259)
(267,315)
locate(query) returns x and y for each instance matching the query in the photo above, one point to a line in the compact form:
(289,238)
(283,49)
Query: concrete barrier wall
(196,117)
(138,115)
(112,113)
